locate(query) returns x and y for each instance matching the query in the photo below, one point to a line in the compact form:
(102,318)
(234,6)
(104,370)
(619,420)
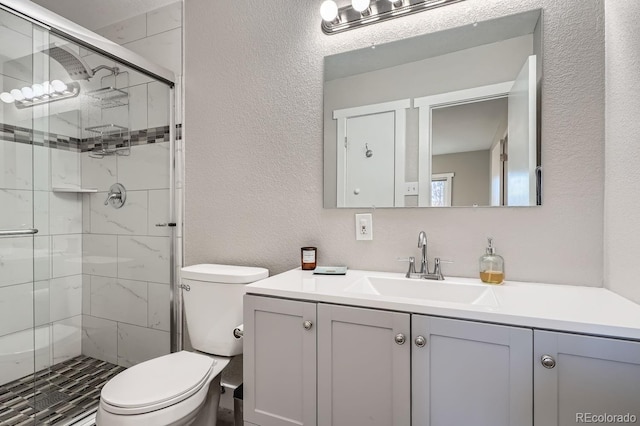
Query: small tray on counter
(330,270)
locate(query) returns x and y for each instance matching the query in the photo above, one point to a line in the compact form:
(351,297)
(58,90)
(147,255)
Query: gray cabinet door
(470,373)
(363,374)
(279,362)
(592,376)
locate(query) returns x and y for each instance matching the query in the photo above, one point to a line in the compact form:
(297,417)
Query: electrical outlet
(411,188)
(364,226)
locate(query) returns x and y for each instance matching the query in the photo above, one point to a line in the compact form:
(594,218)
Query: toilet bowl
(183,388)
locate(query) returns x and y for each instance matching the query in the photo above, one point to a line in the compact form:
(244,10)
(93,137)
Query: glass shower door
(19,353)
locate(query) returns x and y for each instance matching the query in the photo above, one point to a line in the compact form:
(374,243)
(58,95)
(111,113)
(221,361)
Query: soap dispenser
(491,265)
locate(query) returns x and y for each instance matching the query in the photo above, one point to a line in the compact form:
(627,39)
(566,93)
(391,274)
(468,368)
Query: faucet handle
(412,265)
(437,270)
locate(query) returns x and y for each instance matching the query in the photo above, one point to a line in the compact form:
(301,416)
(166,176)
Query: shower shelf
(107,129)
(75,190)
(109,134)
(110,97)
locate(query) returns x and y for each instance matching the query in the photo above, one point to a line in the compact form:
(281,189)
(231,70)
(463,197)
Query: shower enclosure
(87,267)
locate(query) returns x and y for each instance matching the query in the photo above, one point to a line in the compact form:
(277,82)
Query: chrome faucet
(422,244)
(424,263)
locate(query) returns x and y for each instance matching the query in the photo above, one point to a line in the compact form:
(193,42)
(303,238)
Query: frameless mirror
(442,119)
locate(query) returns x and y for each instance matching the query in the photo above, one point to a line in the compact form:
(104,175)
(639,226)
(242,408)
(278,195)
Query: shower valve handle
(111,196)
(117,196)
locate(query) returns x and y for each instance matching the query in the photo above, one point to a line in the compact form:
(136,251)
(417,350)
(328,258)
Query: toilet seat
(158,383)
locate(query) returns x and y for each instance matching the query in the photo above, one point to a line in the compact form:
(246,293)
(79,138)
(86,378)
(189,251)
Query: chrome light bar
(349,18)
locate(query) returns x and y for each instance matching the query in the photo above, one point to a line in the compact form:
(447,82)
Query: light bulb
(48,89)
(6,98)
(329,10)
(38,90)
(58,86)
(360,5)
(27,92)
(396,3)
(17,95)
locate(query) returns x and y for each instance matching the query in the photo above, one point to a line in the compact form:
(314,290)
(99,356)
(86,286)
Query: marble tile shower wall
(125,296)
(125,301)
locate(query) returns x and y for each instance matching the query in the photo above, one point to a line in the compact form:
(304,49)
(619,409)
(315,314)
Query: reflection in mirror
(462,154)
(443,119)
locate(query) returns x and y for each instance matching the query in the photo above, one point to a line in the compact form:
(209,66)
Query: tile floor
(63,393)
(60,393)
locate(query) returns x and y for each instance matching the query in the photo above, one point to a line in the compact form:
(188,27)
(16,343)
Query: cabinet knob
(548,361)
(420,341)
(400,339)
(307,325)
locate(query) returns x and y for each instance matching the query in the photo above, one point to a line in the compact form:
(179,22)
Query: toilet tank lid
(227,274)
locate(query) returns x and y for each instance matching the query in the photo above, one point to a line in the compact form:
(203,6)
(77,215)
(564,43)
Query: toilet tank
(212,296)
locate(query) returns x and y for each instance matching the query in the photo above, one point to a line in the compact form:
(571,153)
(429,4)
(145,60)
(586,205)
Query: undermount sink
(477,295)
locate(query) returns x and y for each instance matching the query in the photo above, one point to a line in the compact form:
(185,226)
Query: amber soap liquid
(492,277)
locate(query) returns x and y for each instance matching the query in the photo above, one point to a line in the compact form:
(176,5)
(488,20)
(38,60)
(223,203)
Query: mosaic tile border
(38,138)
(114,140)
(79,379)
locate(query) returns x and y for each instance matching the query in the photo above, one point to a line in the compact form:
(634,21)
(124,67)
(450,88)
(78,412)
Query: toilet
(183,388)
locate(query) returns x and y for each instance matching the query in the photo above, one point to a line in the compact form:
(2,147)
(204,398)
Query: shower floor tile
(62,393)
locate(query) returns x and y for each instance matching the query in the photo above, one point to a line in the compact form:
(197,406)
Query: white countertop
(577,309)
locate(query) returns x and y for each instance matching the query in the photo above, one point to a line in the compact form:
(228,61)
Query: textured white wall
(622,153)
(253,81)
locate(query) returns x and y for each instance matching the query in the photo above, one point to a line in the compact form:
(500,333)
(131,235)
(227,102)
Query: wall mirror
(443,119)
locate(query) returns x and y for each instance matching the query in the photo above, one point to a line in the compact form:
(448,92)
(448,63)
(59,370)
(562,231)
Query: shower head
(77,68)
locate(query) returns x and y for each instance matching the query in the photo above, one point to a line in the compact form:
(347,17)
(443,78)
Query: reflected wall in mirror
(443,119)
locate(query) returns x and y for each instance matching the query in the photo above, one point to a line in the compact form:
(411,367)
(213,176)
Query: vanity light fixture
(365,12)
(39,94)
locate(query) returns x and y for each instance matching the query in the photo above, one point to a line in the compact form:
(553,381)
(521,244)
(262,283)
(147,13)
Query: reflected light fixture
(365,12)
(39,94)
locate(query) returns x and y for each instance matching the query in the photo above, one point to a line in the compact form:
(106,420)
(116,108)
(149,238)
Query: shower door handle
(13,232)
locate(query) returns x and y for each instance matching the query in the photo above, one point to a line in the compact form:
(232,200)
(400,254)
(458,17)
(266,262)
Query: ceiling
(429,45)
(484,122)
(95,14)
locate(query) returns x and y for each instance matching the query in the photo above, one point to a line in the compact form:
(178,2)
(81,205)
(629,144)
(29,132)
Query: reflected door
(370,159)
(521,168)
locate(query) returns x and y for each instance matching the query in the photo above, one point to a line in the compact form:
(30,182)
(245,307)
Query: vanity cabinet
(279,362)
(363,367)
(362,362)
(470,373)
(577,377)
(312,363)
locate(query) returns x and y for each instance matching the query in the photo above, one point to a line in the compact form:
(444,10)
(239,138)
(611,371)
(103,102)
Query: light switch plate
(364,226)
(411,188)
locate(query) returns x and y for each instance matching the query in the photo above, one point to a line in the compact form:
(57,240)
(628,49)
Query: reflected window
(441,188)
